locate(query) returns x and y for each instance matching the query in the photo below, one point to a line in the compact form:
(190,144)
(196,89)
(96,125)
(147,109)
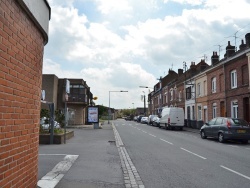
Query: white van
(171,118)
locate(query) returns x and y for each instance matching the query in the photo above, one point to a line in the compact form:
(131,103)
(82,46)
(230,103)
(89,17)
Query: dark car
(139,118)
(225,128)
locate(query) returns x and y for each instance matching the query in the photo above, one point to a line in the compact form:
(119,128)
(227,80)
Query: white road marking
(52,178)
(244,176)
(193,153)
(233,146)
(166,141)
(144,131)
(138,129)
(152,135)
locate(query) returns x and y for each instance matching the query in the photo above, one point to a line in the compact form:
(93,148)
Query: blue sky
(123,44)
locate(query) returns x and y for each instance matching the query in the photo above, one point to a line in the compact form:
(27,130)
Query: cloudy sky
(123,44)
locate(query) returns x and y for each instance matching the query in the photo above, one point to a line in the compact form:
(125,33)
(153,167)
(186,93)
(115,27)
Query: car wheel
(221,138)
(203,135)
(181,128)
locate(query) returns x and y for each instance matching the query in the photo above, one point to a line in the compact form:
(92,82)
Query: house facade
(79,97)
(221,89)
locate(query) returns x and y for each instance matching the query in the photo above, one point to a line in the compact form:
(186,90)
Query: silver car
(225,128)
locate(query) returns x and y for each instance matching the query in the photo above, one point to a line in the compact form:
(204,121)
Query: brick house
(79,98)
(216,91)
(237,89)
(190,88)
(23,34)
(201,97)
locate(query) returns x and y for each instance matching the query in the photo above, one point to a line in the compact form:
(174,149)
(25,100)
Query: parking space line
(52,178)
(244,176)
(144,131)
(193,153)
(166,141)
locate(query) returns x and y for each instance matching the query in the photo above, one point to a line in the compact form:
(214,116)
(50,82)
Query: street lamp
(109,101)
(144,103)
(144,97)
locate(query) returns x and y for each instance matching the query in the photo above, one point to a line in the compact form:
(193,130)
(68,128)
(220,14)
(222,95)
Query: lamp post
(144,103)
(109,102)
(144,97)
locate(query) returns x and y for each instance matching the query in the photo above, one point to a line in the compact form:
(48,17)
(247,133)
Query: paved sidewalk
(90,159)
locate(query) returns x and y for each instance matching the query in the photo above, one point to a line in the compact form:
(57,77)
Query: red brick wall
(21,53)
(242,90)
(219,96)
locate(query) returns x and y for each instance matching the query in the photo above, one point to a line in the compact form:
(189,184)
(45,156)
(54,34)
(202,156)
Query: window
(199,89)
(199,113)
(214,85)
(234,109)
(214,110)
(188,92)
(233,79)
(204,88)
(193,113)
(171,94)
(219,121)
(180,96)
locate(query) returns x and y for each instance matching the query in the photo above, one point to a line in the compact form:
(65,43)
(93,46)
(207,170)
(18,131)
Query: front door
(246,109)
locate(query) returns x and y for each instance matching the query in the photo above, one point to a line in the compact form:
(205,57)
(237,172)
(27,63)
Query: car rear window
(239,122)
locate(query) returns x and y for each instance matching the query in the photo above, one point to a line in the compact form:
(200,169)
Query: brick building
(79,98)
(23,34)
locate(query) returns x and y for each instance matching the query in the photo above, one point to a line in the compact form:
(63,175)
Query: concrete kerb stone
(131,176)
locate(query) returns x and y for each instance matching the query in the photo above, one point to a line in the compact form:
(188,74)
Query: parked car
(128,118)
(150,119)
(44,122)
(226,128)
(135,118)
(172,118)
(156,121)
(139,118)
(144,120)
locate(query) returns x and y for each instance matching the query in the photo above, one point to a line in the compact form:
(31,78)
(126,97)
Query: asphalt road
(165,158)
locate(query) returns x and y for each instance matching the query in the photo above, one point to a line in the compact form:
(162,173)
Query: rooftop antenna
(219,48)
(234,38)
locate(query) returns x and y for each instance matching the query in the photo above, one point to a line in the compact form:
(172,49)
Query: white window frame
(234,109)
(199,89)
(214,110)
(171,94)
(199,110)
(214,85)
(233,76)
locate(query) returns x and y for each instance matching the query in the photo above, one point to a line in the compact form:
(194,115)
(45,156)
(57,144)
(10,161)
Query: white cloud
(124,49)
(109,6)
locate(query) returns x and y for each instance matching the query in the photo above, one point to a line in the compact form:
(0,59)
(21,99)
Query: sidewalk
(189,129)
(91,160)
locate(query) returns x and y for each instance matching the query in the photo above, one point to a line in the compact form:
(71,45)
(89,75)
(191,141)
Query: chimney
(242,46)
(214,58)
(180,72)
(230,50)
(203,65)
(247,36)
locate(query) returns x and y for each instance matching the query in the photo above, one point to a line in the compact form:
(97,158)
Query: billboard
(93,114)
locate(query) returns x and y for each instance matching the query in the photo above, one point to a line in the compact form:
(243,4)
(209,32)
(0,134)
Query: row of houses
(207,91)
